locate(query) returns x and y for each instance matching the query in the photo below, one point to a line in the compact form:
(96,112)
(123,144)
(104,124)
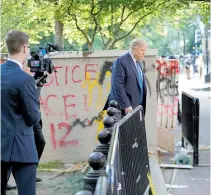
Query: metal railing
(190,124)
(102,186)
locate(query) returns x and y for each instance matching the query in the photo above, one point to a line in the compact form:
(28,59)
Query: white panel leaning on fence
(167,90)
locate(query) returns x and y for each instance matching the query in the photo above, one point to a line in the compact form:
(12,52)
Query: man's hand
(27,70)
(128,110)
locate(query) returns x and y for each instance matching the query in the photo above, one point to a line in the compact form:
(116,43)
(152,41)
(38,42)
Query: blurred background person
(200,65)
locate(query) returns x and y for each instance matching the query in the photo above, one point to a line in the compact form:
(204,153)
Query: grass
(51,165)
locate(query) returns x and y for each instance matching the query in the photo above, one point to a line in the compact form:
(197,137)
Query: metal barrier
(127,162)
(127,167)
(102,185)
(190,124)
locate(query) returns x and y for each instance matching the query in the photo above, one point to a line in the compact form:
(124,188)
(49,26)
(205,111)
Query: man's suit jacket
(125,88)
(19,112)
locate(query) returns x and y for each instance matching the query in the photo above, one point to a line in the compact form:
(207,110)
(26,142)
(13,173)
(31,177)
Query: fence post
(97,159)
(97,162)
(108,122)
(111,111)
(104,138)
(114,113)
(113,103)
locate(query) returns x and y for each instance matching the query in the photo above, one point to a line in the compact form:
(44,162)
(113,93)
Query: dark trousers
(38,135)
(24,174)
(39,142)
(123,113)
(39,139)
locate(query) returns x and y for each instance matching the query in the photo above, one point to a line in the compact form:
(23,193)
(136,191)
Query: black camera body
(40,63)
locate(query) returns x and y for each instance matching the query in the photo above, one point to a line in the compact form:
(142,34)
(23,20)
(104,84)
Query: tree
(108,22)
(113,21)
(27,16)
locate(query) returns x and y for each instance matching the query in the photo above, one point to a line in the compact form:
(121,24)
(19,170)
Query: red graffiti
(89,70)
(86,103)
(64,140)
(2,61)
(61,102)
(167,67)
(66,75)
(73,79)
(174,64)
(49,97)
(63,75)
(49,106)
(66,105)
(53,136)
(43,105)
(168,109)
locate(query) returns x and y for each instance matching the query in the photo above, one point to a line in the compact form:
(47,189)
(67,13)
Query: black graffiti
(107,67)
(147,81)
(86,123)
(166,87)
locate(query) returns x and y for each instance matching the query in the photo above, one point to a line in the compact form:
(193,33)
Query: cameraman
(38,134)
(19,114)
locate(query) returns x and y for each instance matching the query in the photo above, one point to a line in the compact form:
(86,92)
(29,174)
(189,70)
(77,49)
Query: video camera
(40,63)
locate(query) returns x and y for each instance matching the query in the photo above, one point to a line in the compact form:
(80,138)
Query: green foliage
(27,16)
(101,24)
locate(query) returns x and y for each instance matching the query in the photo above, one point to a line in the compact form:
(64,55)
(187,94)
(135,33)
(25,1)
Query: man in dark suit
(128,86)
(19,113)
(38,135)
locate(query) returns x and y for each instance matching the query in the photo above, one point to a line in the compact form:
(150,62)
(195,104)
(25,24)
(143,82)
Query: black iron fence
(126,170)
(190,124)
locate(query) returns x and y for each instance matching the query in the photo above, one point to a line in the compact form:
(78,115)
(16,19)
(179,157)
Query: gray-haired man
(128,86)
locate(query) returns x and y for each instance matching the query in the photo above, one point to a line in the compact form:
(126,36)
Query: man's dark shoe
(38,179)
(11,187)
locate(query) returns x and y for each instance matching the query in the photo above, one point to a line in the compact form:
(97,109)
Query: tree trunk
(106,45)
(90,45)
(59,36)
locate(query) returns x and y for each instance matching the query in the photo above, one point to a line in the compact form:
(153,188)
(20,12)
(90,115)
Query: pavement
(194,181)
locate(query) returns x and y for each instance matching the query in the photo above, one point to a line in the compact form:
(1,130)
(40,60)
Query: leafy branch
(115,40)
